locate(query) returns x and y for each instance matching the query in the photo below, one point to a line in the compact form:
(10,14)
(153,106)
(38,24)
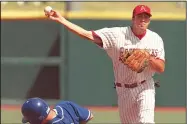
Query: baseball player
(137,53)
(37,111)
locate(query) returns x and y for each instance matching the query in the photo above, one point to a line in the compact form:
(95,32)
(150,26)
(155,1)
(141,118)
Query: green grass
(170,117)
(14,116)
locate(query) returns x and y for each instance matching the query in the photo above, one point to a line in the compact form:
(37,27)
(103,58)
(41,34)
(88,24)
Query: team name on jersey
(124,51)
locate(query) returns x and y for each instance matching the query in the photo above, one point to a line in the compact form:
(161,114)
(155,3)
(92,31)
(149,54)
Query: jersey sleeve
(83,113)
(161,51)
(108,36)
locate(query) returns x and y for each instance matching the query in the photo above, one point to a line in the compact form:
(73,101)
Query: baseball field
(169,21)
(11,114)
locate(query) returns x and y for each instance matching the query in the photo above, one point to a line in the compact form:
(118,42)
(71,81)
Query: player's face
(141,21)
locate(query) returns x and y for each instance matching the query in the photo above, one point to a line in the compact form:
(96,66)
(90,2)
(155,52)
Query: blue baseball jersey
(69,113)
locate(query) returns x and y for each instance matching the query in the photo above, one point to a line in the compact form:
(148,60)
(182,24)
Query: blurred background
(40,58)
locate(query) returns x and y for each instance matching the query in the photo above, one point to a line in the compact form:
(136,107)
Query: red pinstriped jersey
(117,40)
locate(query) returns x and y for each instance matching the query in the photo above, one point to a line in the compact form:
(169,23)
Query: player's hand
(54,15)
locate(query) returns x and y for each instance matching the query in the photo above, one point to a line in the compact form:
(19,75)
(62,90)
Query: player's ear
(132,21)
(133,18)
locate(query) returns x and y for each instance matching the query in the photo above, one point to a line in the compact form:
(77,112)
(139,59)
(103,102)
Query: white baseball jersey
(118,39)
(136,105)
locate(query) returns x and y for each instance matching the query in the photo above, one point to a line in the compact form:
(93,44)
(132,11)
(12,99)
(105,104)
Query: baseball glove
(137,59)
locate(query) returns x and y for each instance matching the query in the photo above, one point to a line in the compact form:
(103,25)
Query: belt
(129,85)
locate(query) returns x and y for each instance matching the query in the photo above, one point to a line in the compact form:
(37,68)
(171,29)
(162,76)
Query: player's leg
(127,108)
(90,118)
(146,105)
(84,114)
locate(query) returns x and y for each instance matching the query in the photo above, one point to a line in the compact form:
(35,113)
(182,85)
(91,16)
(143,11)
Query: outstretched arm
(56,16)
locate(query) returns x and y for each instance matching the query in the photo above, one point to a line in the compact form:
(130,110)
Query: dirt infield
(102,108)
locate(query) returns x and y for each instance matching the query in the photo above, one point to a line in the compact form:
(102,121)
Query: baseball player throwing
(37,111)
(137,53)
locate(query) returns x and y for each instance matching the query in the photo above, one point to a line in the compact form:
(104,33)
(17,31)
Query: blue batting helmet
(34,111)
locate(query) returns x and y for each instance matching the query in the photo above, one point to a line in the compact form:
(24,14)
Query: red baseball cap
(141,9)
